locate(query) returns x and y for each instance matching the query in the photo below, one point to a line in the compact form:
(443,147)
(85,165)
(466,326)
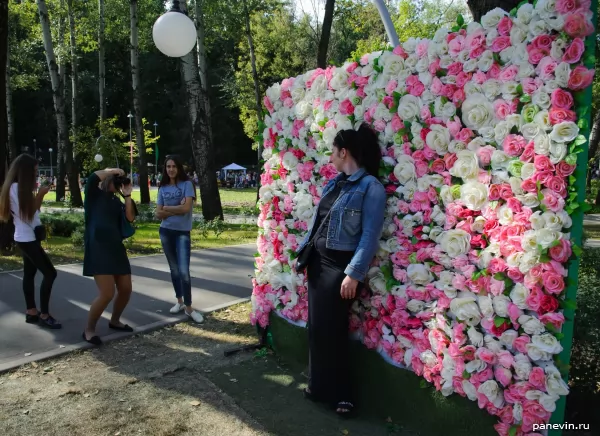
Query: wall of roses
(484,131)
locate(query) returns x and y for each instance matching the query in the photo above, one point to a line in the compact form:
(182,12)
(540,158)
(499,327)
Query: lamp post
(387,22)
(34,149)
(130,147)
(98,158)
(51,167)
(155,149)
(174,33)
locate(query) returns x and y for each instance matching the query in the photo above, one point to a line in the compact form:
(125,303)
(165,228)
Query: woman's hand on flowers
(349,285)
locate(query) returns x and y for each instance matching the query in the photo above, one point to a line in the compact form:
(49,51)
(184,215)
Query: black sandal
(95,340)
(347,409)
(125,328)
(32,319)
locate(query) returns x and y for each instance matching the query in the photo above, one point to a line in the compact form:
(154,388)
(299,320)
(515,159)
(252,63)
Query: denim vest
(356,221)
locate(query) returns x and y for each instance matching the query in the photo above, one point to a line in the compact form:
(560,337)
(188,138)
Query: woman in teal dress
(105,257)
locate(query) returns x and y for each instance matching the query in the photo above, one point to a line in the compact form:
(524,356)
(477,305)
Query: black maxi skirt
(328,322)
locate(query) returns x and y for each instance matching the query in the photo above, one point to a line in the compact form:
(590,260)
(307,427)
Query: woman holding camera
(175,202)
(107,221)
(17,201)
(341,244)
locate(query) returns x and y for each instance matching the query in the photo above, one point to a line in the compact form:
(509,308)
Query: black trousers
(328,322)
(35,259)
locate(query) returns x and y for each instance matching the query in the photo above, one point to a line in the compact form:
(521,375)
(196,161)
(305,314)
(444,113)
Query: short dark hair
(363,146)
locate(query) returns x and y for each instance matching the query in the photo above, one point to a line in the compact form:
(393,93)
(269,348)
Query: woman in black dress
(105,256)
(345,237)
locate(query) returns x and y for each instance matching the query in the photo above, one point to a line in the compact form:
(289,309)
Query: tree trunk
(57,95)
(325,34)
(256,87)
(61,171)
(101,65)
(137,106)
(72,170)
(479,8)
(201,144)
(12,144)
(3,88)
(202,65)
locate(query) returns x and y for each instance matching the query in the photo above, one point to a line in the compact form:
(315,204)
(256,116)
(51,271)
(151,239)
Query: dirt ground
(155,384)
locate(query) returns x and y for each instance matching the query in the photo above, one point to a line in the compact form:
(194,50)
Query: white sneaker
(177,308)
(196,316)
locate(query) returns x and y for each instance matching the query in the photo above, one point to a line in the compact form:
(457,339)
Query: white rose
(455,242)
(541,144)
(508,338)
(527,171)
(518,412)
(546,237)
(474,195)
(405,170)
(566,131)
(530,130)
(470,390)
(538,220)
(500,160)
(303,110)
(541,99)
(556,23)
(564,217)
(546,8)
(289,161)
(466,165)
(558,151)
(531,325)
(562,74)
(528,261)
(522,367)
(377,280)
(525,14)
(487,133)
(513,260)
(505,215)
(529,241)
(298,94)
(547,342)
(507,54)
(501,305)
(486,61)
(419,274)
(478,225)
(446,195)
(415,306)
(491,19)
(475,365)
(515,185)
(525,68)
(492,344)
(509,91)
(486,306)
(438,139)
(529,200)
(428,358)
(477,112)
(500,176)
(542,119)
(536,354)
(492,392)
(555,385)
(465,309)
(409,107)
(517,36)
(475,337)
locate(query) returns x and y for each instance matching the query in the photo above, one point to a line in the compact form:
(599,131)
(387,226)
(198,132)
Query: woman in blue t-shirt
(176,197)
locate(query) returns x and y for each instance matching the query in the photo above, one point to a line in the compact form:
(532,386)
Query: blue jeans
(177,246)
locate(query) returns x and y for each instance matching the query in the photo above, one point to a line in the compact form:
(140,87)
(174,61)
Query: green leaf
(424,384)
(550,327)
(569,304)
(559,336)
(555,244)
(576,250)
(585,207)
(498,321)
(526,98)
(571,159)
(466,374)
(520,89)
(583,124)
(544,258)
(513,13)
(257,254)
(460,20)
(455,29)
(572,180)
(580,140)
(513,430)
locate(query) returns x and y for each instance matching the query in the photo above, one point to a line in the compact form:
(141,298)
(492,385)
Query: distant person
(341,244)
(19,204)
(107,224)
(175,202)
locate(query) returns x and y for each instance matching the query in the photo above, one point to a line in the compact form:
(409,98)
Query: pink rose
(520,343)
(494,192)
(563,169)
(436,86)
(508,73)
(553,283)
(346,107)
(557,115)
(561,99)
(567,6)
(503,376)
(425,113)
(438,166)
(542,42)
(535,56)
(513,145)
(529,85)
(502,109)
(504,26)
(506,359)
(556,319)
(580,78)
(537,378)
(546,67)
(578,24)
(497,265)
(552,200)
(486,355)
(561,252)
(534,298)
(500,43)
(574,52)
(391,86)
(557,184)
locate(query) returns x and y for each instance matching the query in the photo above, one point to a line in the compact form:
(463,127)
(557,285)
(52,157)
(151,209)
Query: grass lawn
(145,241)
(174,381)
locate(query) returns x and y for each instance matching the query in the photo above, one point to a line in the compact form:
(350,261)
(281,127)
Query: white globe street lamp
(174,33)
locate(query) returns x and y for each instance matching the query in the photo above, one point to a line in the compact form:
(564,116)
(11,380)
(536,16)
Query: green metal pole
(584,112)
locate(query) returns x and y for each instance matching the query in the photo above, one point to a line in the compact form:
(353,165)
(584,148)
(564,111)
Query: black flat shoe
(32,319)
(95,340)
(125,328)
(347,409)
(50,323)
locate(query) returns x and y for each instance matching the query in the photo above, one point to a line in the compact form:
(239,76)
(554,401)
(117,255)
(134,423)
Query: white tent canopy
(233,167)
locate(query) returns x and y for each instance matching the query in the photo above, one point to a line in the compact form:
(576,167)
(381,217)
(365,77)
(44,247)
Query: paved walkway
(220,277)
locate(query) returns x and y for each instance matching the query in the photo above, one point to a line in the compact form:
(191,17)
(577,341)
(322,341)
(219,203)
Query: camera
(119,181)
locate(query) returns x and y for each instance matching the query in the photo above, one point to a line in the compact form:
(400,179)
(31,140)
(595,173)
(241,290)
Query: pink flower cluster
(477,130)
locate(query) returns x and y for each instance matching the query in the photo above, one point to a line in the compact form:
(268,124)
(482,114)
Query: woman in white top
(19,204)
